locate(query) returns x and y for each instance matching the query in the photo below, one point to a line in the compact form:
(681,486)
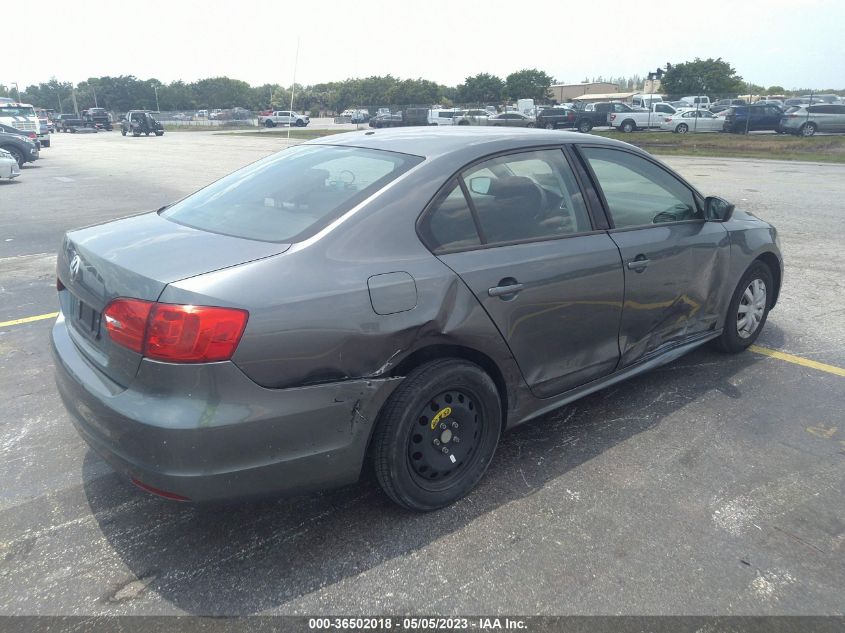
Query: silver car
(808,119)
(391,300)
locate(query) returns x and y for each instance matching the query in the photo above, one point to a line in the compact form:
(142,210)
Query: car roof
(431,142)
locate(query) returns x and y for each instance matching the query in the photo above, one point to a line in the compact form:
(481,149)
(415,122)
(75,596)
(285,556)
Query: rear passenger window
(530,195)
(638,192)
(450,225)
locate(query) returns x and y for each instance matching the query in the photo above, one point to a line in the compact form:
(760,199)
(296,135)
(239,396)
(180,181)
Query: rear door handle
(503,291)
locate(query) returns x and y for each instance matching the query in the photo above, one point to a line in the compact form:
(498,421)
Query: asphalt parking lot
(713,485)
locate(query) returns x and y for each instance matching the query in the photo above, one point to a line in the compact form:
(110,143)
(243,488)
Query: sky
(792,43)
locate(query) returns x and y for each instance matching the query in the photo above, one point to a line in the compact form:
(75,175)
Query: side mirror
(717,209)
(480,184)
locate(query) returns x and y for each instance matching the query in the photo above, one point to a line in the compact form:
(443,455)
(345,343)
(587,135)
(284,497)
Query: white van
(646,101)
(442,117)
(698,101)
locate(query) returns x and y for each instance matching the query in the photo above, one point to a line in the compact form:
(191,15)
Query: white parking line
(64,178)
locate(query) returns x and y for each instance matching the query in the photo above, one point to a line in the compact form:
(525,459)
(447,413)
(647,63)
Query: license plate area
(85,319)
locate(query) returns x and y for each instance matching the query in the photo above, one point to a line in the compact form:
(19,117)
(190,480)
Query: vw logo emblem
(75,267)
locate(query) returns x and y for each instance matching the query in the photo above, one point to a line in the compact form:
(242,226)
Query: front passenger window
(638,192)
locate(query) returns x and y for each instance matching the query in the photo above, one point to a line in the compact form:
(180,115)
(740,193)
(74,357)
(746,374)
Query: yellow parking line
(40,317)
(804,362)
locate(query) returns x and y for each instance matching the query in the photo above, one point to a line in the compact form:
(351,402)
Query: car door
(518,232)
(674,261)
(837,118)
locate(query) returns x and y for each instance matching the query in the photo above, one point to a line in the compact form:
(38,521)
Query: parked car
(68,123)
(809,119)
(23,149)
(8,129)
(645,101)
(554,118)
(387,120)
(641,119)
(284,117)
(597,114)
(741,119)
(692,121)
(359,116)
(698,101)
(471,117)
(138,122)
(198,380)
(97,118)
(441,116)
(511,119)
(723,104)
(9,167)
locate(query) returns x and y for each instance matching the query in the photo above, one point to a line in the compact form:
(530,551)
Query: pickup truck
(597,114)
(68,123)
(283,117)
(97,118)
(641,119)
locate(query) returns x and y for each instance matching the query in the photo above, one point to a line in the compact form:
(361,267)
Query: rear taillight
(32,135)
(175,333)
(612,117)
(668,119)
(193,334)
(59,285)
(126,322)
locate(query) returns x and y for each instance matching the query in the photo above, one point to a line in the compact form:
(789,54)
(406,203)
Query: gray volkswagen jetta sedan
(393,300)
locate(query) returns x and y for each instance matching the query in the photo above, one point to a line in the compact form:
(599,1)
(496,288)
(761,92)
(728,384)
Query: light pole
(155,88)
(18,90)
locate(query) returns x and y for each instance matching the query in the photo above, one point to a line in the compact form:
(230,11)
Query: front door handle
(505,291)
(639,263)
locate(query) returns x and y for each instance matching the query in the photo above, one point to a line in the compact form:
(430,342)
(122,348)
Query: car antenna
(293,86)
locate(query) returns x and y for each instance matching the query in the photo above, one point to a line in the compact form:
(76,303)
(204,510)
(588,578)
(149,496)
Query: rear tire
(808,129)
(746,307)
(683,128)
(16,154)
(585,126)
(436,434)
(628,127)
(269,123)
(549,126)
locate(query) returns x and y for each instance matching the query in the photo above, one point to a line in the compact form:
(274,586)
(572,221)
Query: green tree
(776,90)
(482,88)
(702,77)
(529,83)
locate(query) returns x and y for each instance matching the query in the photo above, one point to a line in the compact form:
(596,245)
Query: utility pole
(75,106)
(155,88)
(95,96)
(293,87)
(18,90)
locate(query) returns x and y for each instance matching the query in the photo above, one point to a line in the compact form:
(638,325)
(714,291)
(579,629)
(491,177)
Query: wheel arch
(443,350)
(773,264)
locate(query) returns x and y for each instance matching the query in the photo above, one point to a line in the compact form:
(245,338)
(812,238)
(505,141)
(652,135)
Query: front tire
(436,434)
(748,309)
(549,126)
(269,123)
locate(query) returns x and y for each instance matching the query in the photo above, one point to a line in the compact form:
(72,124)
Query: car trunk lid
(136,257)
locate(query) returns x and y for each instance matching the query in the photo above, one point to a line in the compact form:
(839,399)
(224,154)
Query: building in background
(564,93)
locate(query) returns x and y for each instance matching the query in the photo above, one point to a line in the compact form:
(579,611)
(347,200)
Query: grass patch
(297,133)
(826,149)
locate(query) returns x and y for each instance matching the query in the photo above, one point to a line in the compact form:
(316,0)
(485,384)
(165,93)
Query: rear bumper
(207,432)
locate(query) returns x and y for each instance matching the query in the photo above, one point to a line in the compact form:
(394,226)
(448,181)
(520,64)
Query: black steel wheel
(436,434)
(585,126)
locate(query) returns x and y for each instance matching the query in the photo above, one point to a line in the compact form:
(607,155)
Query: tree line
(128,92)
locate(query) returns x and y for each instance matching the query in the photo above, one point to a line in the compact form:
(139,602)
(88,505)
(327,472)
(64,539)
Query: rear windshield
(291,195)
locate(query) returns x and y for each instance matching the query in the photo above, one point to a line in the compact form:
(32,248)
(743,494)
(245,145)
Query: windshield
(17,111)
(290,195)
